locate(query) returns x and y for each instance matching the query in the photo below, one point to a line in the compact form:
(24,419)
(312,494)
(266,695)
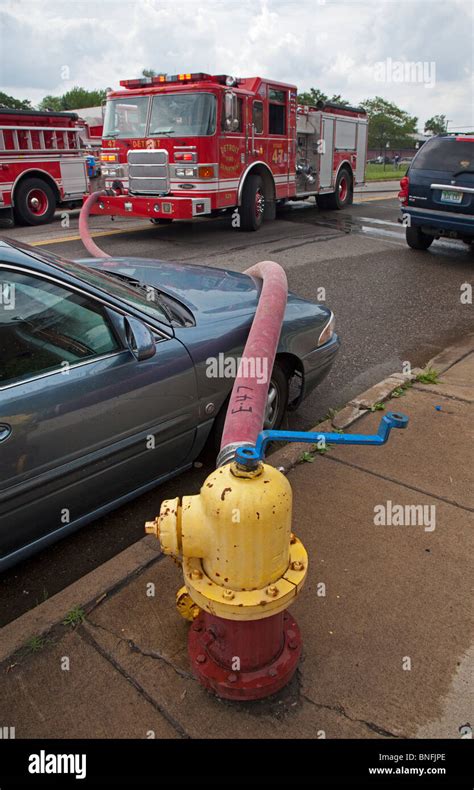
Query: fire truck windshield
(126,117)
(183,115)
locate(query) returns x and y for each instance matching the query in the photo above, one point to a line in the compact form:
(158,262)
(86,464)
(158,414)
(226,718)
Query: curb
(88,592)
(290,455)
(85,593)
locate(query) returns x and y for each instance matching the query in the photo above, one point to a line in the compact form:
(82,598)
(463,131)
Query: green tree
(149,73)
(14,104)
(388,124)
(51,103)
(314,95)
(73,100)
(436,125)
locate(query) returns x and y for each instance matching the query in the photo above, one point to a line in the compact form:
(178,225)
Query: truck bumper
(441,222)
(167,207)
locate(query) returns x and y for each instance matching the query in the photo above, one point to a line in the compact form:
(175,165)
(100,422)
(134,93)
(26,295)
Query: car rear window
(448,155)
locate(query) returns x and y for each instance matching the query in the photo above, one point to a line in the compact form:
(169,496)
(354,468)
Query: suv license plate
(451,197)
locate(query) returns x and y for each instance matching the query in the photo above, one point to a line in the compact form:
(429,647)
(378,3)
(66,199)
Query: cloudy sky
(358,48)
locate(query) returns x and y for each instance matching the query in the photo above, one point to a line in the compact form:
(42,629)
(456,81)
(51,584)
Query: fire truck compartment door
(346,135)
(325,173)
(361,152)
(74,178)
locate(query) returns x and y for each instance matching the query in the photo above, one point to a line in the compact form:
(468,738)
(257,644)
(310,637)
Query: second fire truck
(42,164)
(192,145)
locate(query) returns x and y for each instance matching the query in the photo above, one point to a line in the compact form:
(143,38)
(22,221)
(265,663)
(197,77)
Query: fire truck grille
(148,172)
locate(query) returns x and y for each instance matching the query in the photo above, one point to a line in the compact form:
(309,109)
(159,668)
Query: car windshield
(126,117)
(449,155)
(183,115)
(144,299)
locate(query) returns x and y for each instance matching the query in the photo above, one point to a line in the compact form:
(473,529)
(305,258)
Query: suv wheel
(418,240)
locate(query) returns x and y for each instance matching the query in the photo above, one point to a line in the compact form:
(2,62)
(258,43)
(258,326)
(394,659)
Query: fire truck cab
(195,145)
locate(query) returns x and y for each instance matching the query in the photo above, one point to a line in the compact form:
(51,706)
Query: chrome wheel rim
(259,203)
(271,410)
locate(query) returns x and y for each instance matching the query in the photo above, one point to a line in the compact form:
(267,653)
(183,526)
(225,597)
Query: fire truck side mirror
(231,120)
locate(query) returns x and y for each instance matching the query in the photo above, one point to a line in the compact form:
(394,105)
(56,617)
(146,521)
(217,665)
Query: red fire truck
(42,164)
(190,145)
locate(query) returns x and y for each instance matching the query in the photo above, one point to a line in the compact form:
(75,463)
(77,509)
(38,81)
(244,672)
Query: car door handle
(5,431)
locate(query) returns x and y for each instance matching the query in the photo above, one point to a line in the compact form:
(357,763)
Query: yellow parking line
(132,229)
(368,199)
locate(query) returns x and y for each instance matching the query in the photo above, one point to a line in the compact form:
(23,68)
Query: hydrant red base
(244,660)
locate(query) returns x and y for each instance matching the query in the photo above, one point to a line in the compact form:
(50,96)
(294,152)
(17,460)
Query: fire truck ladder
(18,139)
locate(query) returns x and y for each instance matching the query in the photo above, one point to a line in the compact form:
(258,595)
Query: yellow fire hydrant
(242,569)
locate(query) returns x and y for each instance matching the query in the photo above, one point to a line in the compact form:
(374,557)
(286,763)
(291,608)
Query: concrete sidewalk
(386,648)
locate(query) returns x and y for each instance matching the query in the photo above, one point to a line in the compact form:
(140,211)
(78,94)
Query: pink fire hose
(86,238)
(246,410)
(248,400)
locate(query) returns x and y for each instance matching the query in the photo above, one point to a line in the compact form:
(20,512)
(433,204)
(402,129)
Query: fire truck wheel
(252,210)
(35,202)
(343,194)
(161,220)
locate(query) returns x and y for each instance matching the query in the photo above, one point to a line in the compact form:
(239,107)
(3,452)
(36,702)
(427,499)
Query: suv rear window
(448,155)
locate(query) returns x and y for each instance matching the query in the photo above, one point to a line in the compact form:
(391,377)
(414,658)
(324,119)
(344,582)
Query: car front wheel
(277,399)
(418,240)
(277,402)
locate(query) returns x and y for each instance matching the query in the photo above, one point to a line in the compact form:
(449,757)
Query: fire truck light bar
(160,79)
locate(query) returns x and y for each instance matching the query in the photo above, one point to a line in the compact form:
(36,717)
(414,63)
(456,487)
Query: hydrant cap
(169,527)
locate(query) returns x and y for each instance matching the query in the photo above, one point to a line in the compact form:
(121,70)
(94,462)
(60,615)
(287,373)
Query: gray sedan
(115,374)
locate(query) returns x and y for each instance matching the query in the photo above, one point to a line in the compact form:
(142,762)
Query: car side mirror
(139,338)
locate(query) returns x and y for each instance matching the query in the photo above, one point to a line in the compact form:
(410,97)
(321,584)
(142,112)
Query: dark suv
(437,193)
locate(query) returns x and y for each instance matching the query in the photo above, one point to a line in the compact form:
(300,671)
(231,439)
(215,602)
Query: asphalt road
(392,305)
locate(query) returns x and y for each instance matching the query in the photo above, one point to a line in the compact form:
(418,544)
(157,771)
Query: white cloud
(333,45)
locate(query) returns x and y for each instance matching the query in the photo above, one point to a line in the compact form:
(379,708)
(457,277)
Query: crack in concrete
(400,483)
(160,657)
(89,639)
(147,653)
(425,389)
(341,712)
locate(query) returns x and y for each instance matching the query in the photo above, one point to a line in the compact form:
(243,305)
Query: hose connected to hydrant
(242,564)
(247,406)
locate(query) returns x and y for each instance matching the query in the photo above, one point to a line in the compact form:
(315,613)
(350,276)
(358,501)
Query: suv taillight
(404,188)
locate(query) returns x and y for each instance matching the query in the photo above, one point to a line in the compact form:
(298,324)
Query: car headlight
(328,330)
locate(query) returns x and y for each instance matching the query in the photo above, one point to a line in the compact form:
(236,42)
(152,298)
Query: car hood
(210,293)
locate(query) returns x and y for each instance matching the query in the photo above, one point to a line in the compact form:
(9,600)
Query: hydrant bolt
(297,566)
(228,595)
(272,591)
(195,574)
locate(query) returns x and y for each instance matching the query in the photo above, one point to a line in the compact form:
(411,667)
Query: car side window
(44,325)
